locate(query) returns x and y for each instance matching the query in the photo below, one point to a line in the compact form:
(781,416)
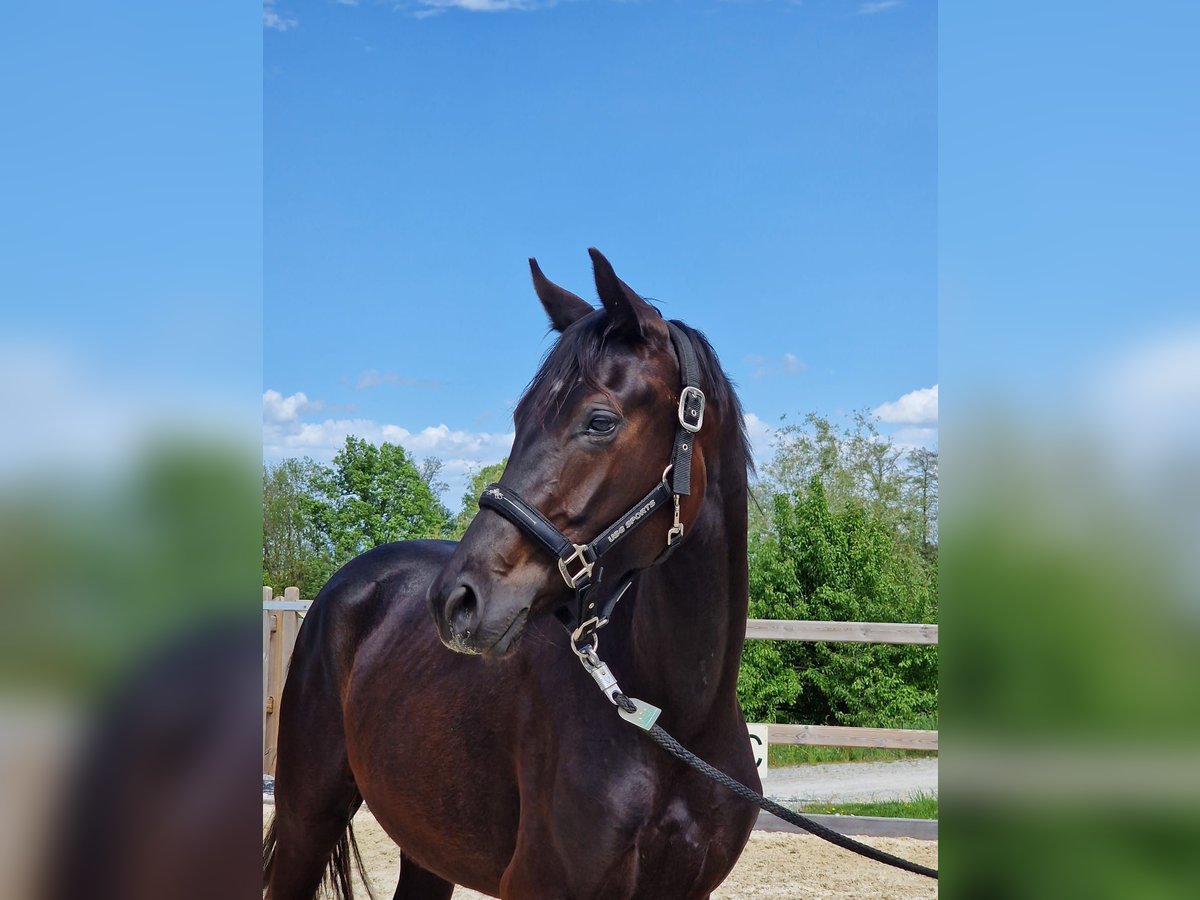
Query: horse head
(595,429)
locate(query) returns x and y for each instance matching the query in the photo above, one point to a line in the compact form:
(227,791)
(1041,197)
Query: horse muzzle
(466,624)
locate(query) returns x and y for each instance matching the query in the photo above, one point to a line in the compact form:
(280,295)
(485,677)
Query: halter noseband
(578,562)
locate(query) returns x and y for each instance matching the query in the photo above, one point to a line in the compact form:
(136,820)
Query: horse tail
(339,872)
(269,853)
(346,858)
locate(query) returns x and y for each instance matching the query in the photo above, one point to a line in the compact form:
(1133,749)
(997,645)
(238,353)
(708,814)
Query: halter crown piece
(578,563)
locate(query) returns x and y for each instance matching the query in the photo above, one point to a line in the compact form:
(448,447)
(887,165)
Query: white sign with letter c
(759,741)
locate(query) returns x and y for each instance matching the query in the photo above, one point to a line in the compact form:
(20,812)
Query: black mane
(575,359)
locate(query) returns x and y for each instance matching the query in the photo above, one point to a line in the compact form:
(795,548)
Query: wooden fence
(849,632)
(281,622)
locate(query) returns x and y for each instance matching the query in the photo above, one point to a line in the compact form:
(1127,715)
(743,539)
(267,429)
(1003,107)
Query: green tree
(843,527)
(374,495)
(922,498)
(843,563)
(431,474)
(470,500)
(854,464)
(295,551)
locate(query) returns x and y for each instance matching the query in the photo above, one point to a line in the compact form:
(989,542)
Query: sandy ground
(773,865)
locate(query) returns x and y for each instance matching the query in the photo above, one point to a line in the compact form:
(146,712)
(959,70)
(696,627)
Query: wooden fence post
(280,628)
(267,595)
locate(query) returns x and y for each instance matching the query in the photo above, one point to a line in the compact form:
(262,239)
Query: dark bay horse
(501,766)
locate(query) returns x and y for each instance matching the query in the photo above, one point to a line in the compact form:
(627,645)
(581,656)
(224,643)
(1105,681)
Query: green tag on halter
(644,716)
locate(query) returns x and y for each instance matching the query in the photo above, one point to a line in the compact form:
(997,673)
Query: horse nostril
(461,611)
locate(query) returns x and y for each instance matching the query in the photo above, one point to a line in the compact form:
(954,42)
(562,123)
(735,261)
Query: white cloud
(374,378)
(760,434)
(788,364)
(286,434)
(919,407)
(914,438)
(278,409)
(284,437)
(872,7)
(273,18)
(434,7)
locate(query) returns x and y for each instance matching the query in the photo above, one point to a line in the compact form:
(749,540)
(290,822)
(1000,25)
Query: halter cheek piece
(578,563)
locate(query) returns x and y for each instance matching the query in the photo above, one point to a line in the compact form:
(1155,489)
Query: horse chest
(684,851)
(676,833)
(624,827)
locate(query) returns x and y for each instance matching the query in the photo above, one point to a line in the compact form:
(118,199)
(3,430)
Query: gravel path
(853,782)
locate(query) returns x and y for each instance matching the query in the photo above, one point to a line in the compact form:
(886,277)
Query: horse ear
(563,307)
(630,313)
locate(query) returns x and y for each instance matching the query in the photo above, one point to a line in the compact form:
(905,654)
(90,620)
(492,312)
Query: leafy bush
(845,564)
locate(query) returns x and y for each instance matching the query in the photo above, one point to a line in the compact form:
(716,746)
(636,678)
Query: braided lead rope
(676,749)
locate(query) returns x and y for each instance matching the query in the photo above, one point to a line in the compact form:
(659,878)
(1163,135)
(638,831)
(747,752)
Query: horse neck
(689,620)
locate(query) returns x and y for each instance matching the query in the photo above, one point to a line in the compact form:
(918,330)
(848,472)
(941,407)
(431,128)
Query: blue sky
(1068,180)
(767,171)
(131,234)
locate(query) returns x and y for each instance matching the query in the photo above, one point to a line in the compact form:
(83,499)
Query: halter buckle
(691,419)
(584,574)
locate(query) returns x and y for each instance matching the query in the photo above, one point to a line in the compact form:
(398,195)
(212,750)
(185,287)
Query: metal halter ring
(585,572)
(587,651)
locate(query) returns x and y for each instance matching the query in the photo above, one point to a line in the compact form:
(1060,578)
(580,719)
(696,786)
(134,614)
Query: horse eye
(602,424)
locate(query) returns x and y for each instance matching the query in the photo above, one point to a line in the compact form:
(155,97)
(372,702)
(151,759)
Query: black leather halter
(579,563)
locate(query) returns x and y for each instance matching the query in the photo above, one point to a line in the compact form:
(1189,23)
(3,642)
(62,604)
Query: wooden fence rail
(851,632)
(281,622)
(845,736)
(854,632)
